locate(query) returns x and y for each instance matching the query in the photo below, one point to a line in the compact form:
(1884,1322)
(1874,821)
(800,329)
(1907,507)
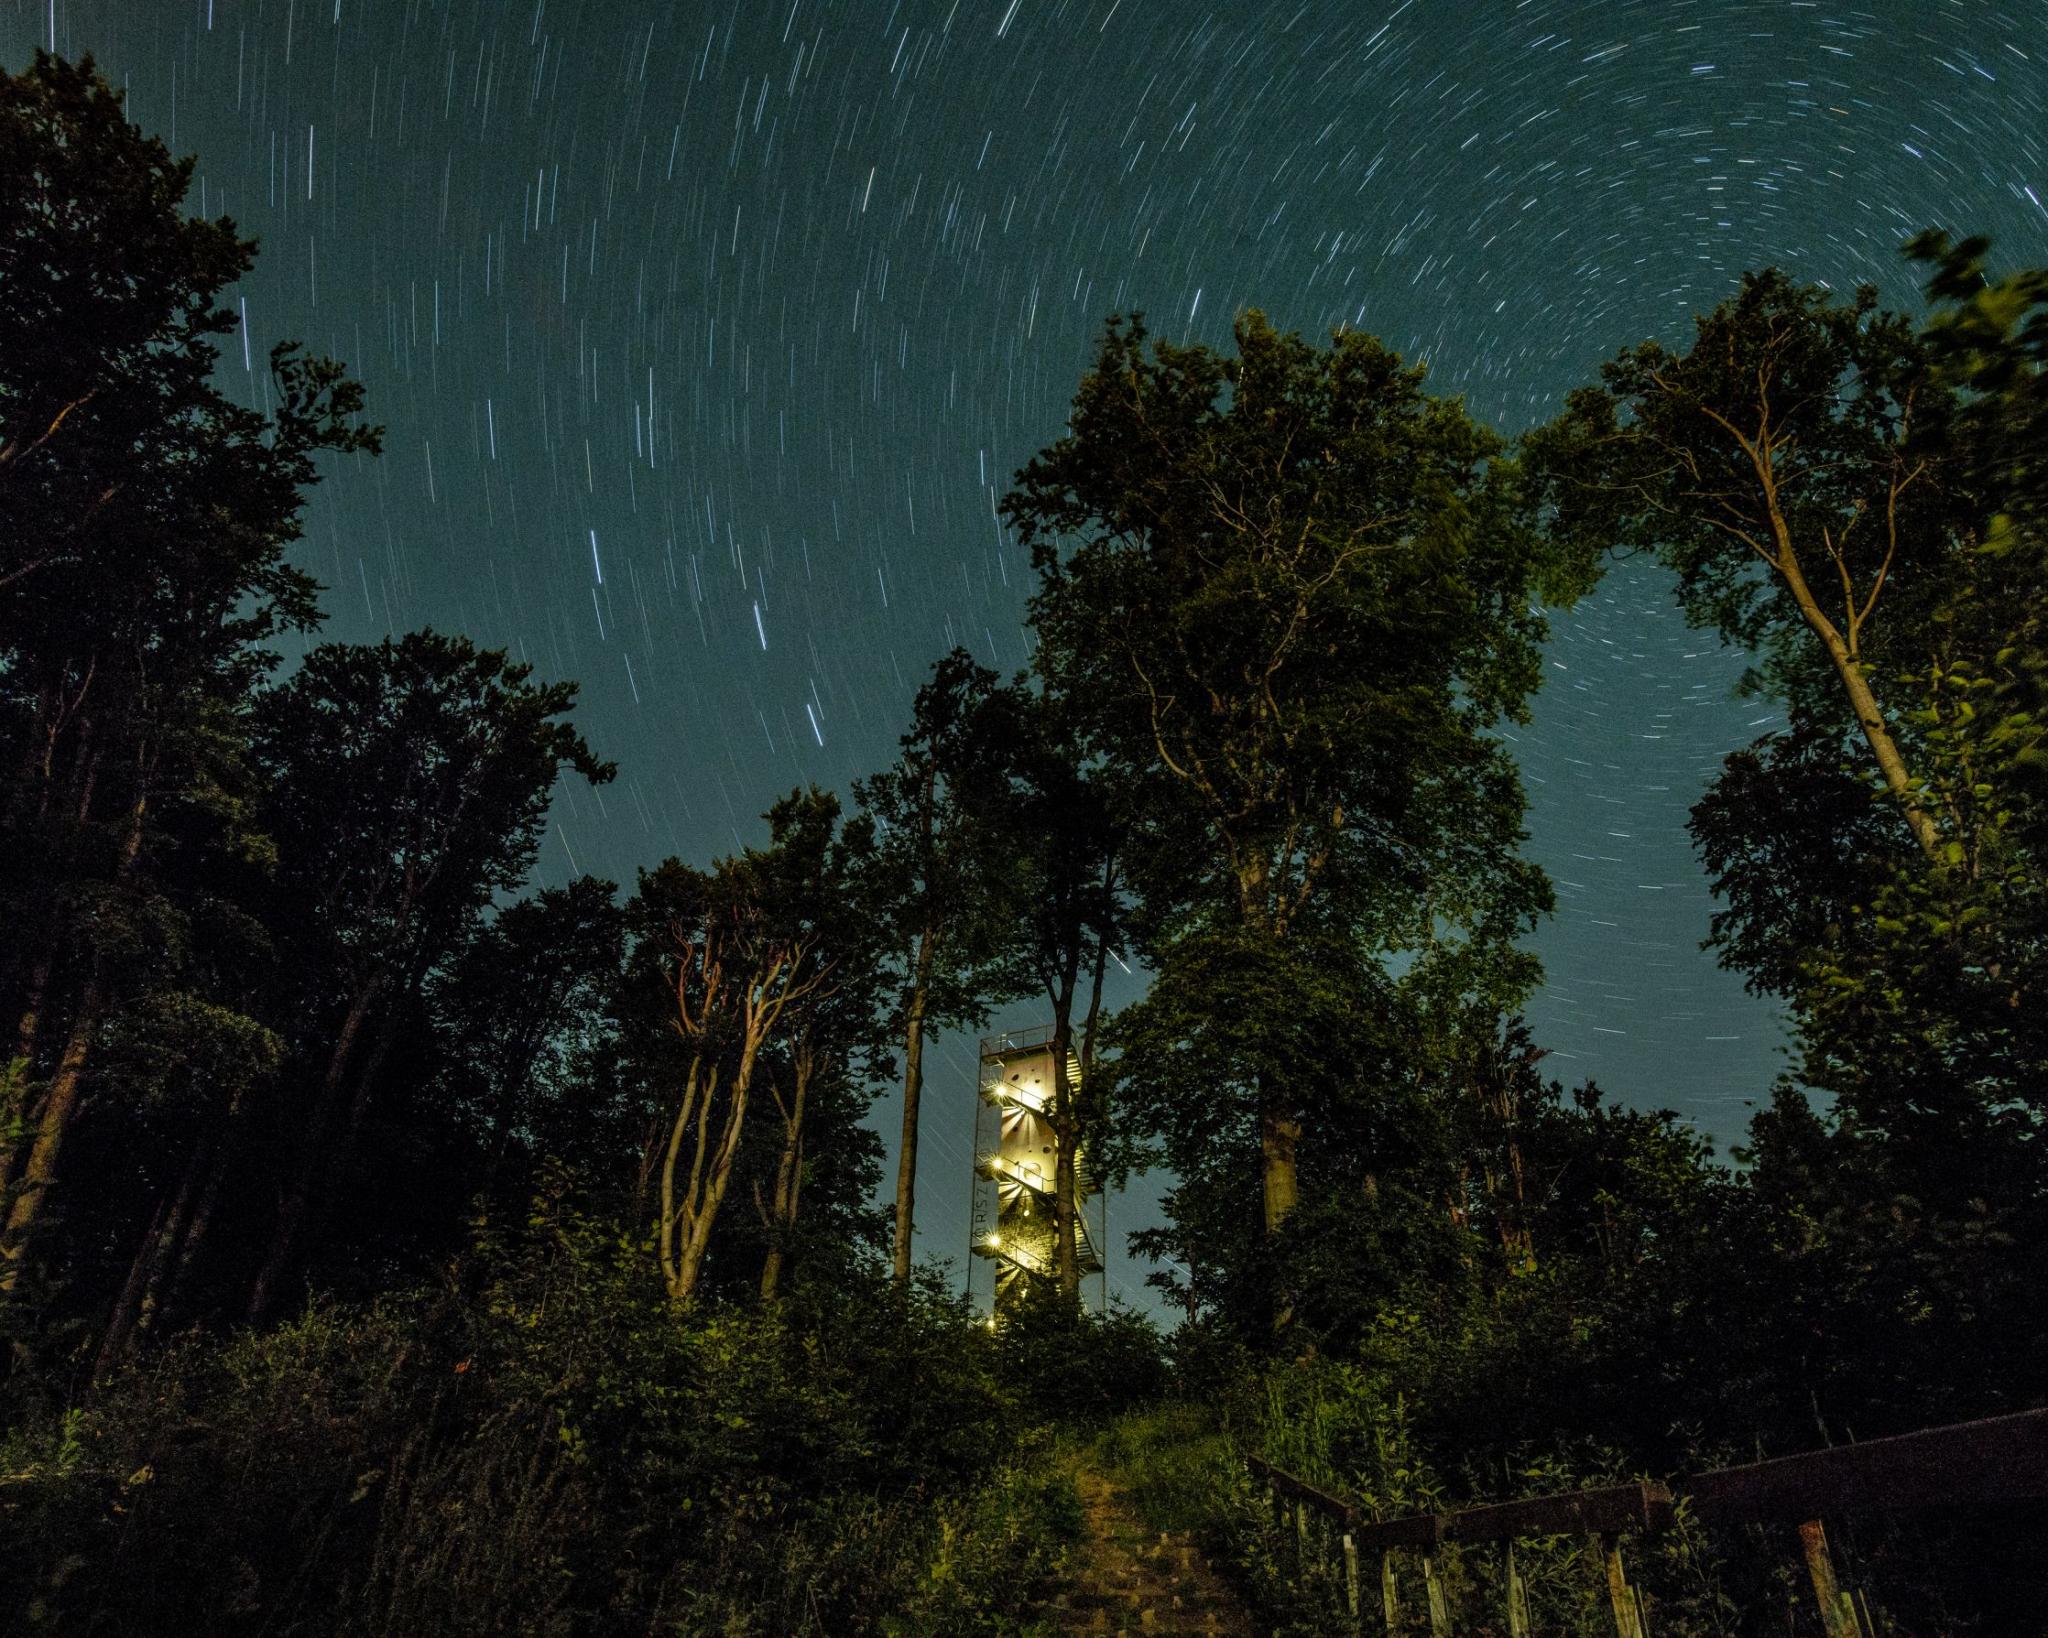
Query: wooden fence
(2003,1458)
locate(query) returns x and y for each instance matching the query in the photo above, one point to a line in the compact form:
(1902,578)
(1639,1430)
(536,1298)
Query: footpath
(1126,1579)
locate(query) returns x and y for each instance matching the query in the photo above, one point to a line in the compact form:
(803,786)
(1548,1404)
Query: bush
(1078,1366)
(544,1446)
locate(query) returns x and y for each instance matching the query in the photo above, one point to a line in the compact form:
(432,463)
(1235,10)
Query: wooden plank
(1645,1505)
(2001,1458)
(1286,1484)
(1420,1531)
(1621,1597)
(1439,1605)
(1837,1610)
(1518,1594)
(1353,1604)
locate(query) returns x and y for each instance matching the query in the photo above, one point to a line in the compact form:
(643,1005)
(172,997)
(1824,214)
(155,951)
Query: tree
(1900,1203)
(408,782)
(144,521)
(1907,983)
(737,948)
(1289,593)
(1794,469)
(934,884)
(815,1074)
(515,1013)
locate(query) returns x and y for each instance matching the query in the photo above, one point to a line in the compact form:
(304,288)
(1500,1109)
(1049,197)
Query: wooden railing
(2003,1458)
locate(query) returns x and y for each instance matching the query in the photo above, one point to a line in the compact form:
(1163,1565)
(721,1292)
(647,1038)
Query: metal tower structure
(1015,1162)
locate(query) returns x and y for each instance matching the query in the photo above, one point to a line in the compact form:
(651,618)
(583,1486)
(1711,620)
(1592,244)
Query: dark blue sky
(707,337)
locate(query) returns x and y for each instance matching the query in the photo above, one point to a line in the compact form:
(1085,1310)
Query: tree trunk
(1279,1133)
(913,1089)
(162,1302)
(297,1204)
(1065,1129)
(60,1103)
(1084,1110)
(167,1247)
(114,1344)
(53,1121)
(1862,701)
(710,1175)
(771,1271)
(686,1227)
(780,1216)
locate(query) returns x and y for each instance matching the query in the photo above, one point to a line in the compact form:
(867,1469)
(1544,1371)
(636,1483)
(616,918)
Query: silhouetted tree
(1289,593)
(933,878)
(144,522)
(408,783)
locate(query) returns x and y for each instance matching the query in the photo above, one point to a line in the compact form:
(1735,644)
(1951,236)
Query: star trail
(707,338)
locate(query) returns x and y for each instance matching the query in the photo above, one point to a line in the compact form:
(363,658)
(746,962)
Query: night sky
(708,336)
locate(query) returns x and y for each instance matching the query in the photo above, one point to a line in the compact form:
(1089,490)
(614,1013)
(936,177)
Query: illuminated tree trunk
(689,1213)
(52,1121)
(1877,734)
(779,1212)
(59,1105)
(1279,1133)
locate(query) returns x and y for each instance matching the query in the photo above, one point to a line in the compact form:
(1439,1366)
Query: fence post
(1518,1595)
(1353,1604)
(1439,1610)
(1390,1603)
(1627,1617)
(1837,1609)
(1300,1537)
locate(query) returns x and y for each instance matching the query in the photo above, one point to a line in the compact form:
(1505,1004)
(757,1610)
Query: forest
(389,1246)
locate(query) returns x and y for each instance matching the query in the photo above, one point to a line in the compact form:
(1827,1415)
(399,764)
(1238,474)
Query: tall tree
(409,782)
(1292,592)
(929,878)
(515,1015)
(1794,469)
(815,1076)
(1902,1201)
(737,948)
(144,521)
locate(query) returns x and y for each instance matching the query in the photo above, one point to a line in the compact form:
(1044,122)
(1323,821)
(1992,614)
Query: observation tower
(1015,1168)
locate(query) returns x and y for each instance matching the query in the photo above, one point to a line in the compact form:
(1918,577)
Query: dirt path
(1127,1579)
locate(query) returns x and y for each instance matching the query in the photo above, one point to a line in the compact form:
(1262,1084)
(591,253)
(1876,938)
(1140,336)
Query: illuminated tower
(1015,1162)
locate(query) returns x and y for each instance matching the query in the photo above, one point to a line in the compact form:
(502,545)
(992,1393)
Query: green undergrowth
(544,1446)
(1348,1432)
(1182,1463)
(999,1549)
